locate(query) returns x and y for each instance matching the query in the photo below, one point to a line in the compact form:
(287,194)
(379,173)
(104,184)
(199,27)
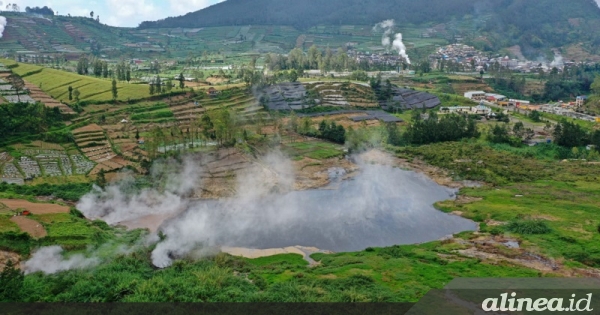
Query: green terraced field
(56,83)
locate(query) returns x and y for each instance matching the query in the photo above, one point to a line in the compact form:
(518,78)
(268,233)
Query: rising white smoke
(2,25)
(391,42)
(115,205)
(50,260)
(557,62)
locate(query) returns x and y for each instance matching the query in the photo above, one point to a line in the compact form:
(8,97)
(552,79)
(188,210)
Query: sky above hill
(117,12)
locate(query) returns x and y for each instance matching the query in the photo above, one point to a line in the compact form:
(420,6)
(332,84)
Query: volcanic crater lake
(381,206)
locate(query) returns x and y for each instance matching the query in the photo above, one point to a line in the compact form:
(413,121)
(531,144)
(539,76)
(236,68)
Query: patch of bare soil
(6,256)
(437,174)
(311,173)
(462,199)
(29,226)
(494,250)
(35,208)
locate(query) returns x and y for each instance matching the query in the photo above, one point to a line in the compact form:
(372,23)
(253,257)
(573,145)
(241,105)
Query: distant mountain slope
(533,24)
(306,13)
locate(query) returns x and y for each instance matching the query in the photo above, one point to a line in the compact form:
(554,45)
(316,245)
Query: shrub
(528,226)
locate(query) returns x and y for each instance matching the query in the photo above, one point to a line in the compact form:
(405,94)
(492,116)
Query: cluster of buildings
(471,110)
(389,59)
(567,109)
(475,60)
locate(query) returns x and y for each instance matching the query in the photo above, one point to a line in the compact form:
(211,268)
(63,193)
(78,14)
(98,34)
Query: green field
(56,84)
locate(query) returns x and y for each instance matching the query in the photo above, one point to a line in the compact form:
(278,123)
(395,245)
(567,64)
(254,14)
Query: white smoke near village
(389,40)
(2,25)
(380,206)
(557,62)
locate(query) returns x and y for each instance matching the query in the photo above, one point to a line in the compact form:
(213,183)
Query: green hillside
(532,24)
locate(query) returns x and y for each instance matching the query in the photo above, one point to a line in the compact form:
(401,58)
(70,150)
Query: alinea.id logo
(516,304)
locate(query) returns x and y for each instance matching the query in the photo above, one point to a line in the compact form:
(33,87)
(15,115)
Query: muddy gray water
(382,206)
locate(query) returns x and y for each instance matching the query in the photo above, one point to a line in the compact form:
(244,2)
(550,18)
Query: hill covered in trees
(532,24)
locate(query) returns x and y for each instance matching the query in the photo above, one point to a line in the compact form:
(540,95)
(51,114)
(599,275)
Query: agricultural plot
(34,208)
(9,173)
(287,96)
(40,159)
(38,95)
(56,84)
(96,147)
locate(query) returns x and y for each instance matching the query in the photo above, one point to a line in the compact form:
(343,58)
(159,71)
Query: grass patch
(528,227)
(318,150)
(6,225)
(289,259)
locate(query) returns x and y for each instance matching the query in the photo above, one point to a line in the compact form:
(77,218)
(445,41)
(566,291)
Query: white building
(475,95)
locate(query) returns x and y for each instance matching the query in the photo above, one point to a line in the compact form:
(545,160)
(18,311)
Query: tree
(137,134)
(519,129)
(569,134)
(11,283)
(595,87)
(499,134)
(128,75)
(70,93)
(151,85)
(115,92)
(535,116)
(101,179)
(17,83)
(92,14)
(293,75)
(158,85)
(181,81)
(76,94)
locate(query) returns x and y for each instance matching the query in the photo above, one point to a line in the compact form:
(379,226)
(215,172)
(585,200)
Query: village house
(518,103)
(212,91)
(494,98)
(475,110)
(475,95)
(580,100)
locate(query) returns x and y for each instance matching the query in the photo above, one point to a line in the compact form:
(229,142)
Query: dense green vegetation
(25,119)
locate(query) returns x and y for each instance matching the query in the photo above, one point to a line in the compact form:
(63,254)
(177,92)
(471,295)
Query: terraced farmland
(56,84)
(96,147)
(42,160)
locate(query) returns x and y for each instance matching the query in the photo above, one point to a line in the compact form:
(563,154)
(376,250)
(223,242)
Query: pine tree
(181,81)
(115,92)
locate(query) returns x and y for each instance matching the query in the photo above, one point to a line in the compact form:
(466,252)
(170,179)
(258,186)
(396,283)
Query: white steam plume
(557,62)
(2,25)
(50,260)
(115,205)
(397,44)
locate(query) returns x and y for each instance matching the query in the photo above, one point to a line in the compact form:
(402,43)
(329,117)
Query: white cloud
(131,12)
(179,7)
(119,12)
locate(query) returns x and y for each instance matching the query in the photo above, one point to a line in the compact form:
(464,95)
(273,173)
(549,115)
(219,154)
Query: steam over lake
(382,206)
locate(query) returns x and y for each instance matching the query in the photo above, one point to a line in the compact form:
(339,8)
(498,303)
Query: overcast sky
(118,12)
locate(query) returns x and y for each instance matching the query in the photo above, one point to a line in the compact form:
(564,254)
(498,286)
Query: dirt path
(35,208)
(32,227)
